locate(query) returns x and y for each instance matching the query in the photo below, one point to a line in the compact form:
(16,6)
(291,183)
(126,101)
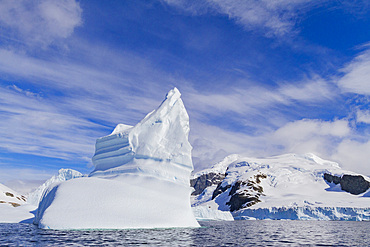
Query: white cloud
(333,140)
(354,156)
(212,143)
(39,22)
(303,129)
(311,135)
(363,116)
(303,136)
(25,92)
(310,90)
(356,75)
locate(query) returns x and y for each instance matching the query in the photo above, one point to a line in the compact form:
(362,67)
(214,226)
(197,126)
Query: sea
(211,233)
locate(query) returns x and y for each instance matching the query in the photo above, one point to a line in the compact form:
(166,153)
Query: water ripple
(237,233)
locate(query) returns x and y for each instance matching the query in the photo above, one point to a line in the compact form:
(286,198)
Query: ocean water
(216,233)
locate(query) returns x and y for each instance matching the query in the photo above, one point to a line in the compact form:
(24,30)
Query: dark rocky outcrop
(14,204)
(332,179)
(219,190)
(204,181)
(9,194)
(245,193)
(354,184)
(237,201)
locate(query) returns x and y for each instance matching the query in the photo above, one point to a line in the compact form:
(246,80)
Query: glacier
(290,186)
(141,178)
(305,213)
(202,213)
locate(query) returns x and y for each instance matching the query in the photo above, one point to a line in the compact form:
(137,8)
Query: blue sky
(258,78)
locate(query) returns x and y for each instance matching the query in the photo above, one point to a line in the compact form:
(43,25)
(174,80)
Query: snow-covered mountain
(11,198)
(13,206)
(63,175)
(141,178)
(289,186)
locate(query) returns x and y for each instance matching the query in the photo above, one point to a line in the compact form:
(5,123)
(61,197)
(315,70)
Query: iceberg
(141,178)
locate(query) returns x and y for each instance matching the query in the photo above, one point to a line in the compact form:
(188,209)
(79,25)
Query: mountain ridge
(285,181)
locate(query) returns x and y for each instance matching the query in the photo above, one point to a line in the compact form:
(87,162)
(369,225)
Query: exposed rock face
(246,193)
(354,184)
(204,181)
(332,179)
(219,190)
(242,193)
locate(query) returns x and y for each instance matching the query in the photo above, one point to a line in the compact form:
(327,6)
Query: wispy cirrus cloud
(274,18)
(257,99)
(73,103)
(36,126)
(39,22)
(356,74)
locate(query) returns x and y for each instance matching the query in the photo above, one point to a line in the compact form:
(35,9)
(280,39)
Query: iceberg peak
(158,145)
(172,96)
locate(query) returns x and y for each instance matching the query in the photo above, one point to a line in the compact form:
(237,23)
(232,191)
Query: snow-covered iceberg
(290,186)
(141,178)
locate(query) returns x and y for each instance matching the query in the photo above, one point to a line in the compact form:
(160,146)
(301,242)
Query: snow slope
(63,175)
(141,178)
(288,186)
(13,207)
(10,197)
